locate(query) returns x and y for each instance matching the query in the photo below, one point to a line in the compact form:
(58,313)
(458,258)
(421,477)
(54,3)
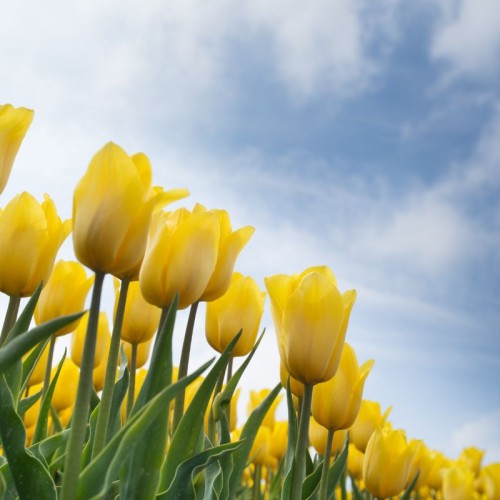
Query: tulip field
(118,417)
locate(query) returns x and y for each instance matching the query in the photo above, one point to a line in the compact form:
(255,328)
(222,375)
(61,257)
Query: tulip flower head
(181,255)
(336,402)
(102,341)
(30,236)
(112,208)
(14,123)
(240,308)
(370,418)
(458,483)
(65,293)
(388,461)
(318,435)
(492,480)
(256,397)
(311,318)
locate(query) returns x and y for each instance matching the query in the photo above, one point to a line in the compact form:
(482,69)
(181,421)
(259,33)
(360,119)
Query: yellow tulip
(422,464)
(472,458)
(369,418)
(140,377)
(112,207)
(140,320)
(438,463)
(458,483)
(38,374)
(492,475)
(14,123)
(256,397)
(30,236)
(387,464)
(230,245)
(311,318)
(260,452)
(143,351)
(65,293)
(102,340)
(31,415)
(67,385)
(279,439)
(318,435)
(99,372)
(355,460)
(336,402)
(181,255)
(241,307)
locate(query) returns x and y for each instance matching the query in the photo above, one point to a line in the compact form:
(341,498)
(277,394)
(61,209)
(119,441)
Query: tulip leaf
(311,482)
(119,392)
(87,449)
(337,468)
(45,449)
(7,487)
(26,403)
(149,453)
(356,494)
(248,435)
(103,470)
(292,440)
(213,476)
(23,464)
(43,416)
(181,486)
(22,343)
(183,443)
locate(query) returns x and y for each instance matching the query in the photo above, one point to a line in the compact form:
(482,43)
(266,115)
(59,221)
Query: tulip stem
(81,410)
(257,479)
(131,385)
(229,369)
(323,489)
(299,473)
(101,429)
(184,363)
(10,317)
(48,366)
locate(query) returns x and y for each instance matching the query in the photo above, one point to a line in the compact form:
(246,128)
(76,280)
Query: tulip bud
(181,255)
(112,207)
(336,402)
(368,420)
(311,318)
(67,386)
(65,293)
(30,237)
(355,462)
(241,307)
(140,320)
(14,123)
(102,341)
(387,464)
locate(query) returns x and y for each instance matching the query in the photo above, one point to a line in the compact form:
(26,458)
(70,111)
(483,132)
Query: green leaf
(26,403)
(181,486)
(22,343)
(30,362)
(292,440)
(248,435)
(140,476)
(7,487)
(87,450)
(311,482)
(46,448)
(43,416)
(119,393)
(407,493)
(183,443)
(356,494)
(103,470)
(22,463)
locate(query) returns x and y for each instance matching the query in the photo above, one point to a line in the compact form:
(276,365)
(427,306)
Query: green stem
(48,366)
(211,420)
(10,317)
(257,479)
(184,363)
(229,369)
(81,409)
(102,424)
(131,385)
(299,473)
(323,488)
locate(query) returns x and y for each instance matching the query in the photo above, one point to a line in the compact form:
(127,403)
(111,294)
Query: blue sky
(356,134)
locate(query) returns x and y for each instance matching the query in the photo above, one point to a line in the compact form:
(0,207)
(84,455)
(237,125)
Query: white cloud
(482,432)
(468,39)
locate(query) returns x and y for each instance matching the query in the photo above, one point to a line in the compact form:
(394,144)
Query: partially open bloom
(181,256)
(388,461)
(370,418)
(230,245)
(140,320)
(65,293)
(458,483)
(14,123)
(240,308)
(102,340)
(311,318)
(30,236)
(112,207)
(336,402)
